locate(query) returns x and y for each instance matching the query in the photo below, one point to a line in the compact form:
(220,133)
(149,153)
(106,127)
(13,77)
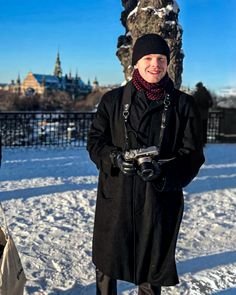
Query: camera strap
(127,98)
(163,119)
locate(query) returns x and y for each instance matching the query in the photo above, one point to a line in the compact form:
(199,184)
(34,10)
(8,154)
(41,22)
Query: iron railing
(214,126)
(64,129)
(44,129)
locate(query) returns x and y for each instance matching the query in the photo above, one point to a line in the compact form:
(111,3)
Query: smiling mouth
(154,73)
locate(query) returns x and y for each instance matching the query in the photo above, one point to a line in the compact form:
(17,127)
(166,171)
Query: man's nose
(155,62)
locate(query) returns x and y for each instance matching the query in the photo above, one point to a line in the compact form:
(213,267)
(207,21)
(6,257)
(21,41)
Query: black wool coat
(137,222)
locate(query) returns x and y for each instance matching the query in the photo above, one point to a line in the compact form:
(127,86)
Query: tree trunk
(151,16)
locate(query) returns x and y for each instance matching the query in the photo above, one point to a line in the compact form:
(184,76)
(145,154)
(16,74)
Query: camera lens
(145,167)
(146,170)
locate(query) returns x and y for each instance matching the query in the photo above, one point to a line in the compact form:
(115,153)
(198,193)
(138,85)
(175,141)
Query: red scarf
(153,91)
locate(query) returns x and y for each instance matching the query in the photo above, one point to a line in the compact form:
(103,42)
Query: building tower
(95,84)
(18,85)
(57,69)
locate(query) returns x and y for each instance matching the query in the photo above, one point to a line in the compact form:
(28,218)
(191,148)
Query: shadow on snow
(206,262)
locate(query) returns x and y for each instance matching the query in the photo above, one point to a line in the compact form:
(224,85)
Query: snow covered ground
(49,197)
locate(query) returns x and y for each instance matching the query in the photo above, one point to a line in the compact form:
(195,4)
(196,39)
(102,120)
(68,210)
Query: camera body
(143,158)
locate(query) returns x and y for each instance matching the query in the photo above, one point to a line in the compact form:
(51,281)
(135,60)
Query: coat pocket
(108,185)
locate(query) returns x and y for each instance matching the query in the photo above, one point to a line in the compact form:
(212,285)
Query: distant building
(37,83)
(95,84)
(42,83)
(186,89)
(4,87)
(226,92)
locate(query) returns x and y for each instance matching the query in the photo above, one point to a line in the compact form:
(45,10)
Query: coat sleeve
(179,172)
(99,144)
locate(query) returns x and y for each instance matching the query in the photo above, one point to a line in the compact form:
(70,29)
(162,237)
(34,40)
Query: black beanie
(150,44)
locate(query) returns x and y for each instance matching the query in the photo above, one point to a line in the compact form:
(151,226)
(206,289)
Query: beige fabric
(12,276)
(2,238)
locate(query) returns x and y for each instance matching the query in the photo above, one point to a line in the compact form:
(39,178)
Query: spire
(76,75)
(95,83)
(57,69)
(70,75)
(18,79)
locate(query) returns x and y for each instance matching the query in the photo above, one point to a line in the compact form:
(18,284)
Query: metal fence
(64,129)
(214,124)
(44,129)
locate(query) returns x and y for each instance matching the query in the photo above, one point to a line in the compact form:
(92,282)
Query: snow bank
(49,196)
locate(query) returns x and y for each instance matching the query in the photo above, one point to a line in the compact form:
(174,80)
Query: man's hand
(126,167)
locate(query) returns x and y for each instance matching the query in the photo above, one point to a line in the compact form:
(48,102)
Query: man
(204,101)
(140,201)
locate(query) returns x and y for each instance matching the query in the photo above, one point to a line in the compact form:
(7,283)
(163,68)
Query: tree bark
(151,16)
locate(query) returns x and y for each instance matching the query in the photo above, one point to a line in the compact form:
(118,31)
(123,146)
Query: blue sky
(86,34)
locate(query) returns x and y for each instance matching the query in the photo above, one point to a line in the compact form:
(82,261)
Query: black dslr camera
(143,158)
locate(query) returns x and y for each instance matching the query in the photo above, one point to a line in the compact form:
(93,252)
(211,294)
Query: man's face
(152,67)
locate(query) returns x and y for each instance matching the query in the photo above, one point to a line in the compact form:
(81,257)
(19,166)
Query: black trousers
(108,286)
